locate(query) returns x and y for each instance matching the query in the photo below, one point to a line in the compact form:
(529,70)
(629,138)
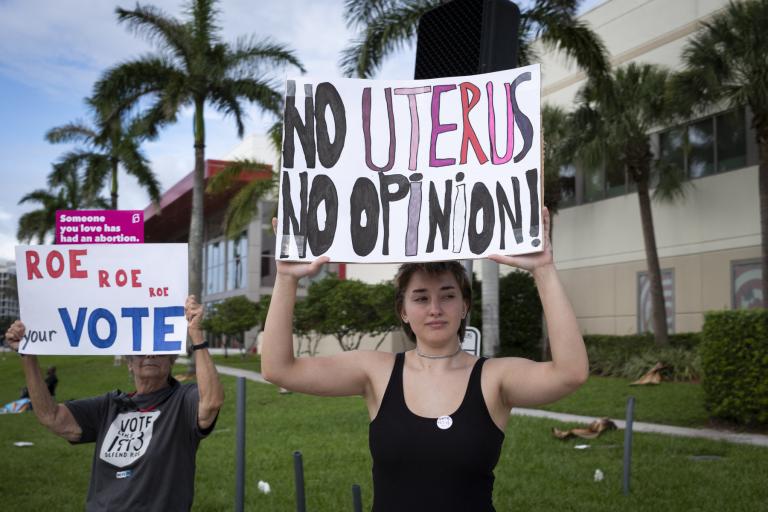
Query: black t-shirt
(144,457)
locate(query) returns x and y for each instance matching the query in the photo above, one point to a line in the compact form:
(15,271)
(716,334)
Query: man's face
(150,366)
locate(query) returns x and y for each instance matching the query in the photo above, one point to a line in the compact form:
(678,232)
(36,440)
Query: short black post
(298,471)
(628,443)
(240,447)
(357,499)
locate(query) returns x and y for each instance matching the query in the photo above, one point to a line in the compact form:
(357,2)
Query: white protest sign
(102,299)
(398,171)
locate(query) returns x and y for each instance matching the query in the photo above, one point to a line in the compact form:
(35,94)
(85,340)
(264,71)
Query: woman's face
(434,307)
(150,367)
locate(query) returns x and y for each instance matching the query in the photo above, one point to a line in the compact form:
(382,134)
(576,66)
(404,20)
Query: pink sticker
(99,226)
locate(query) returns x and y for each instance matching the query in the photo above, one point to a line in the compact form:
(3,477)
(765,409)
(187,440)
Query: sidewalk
(638,426)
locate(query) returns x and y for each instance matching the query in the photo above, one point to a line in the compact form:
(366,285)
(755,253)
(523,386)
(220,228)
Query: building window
(645,302)
(672,148)
(237,257)
(214,267)
(594,184)
(746,284)
(731,140)
(701,148)
(567,185)
(615,180)
(704,147)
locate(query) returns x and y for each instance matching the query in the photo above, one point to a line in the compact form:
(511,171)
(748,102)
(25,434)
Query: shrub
(680,364)
(734,354)
(632,355)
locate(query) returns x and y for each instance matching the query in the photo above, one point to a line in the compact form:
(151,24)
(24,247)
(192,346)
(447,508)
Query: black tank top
(420,467)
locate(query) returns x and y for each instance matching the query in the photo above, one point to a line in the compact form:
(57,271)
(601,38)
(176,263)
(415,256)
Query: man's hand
(15,334)
(194,311)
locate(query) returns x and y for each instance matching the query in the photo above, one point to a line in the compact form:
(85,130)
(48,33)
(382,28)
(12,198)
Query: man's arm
(208,384)
(56,417)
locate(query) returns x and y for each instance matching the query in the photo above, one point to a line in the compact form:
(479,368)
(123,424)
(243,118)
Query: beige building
(708,243)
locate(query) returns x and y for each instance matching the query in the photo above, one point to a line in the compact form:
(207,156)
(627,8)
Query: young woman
(437,413)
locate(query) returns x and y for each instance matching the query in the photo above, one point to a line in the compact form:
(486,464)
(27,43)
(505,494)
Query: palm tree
(193,67)
(111,144)
(612,129)
(65,193)
(554,128)
(386,25)
(725,62)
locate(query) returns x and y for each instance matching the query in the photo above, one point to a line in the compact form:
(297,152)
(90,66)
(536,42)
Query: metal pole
(357,499)
(298,471)
(628,443)
(240,447)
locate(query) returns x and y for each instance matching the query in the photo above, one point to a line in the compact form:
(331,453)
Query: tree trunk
(652,259)
(763,187)
(118,360)
(490,296)
(196,215)
(115,164)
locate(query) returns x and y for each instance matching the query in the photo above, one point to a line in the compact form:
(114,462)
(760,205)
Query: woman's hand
(298,270)
(531,262)
(15,334)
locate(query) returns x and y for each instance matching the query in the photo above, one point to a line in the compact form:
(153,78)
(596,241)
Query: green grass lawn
(670,403)
(249,362)
(536,471)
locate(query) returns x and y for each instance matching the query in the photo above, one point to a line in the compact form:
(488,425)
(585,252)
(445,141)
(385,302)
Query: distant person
(437,413)
(146,440)
(51,380)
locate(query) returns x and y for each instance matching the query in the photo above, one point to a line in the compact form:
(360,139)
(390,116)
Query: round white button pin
(444,422)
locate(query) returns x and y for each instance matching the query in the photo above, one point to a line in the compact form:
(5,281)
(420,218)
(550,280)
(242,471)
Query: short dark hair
(433,268)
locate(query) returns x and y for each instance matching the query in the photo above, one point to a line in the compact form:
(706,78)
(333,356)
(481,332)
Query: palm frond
(41,196)
(672,184)
(123,84)
(555,23)
(244,205)
(358,13)
(77,131)
(136,164)
(249,54)
(203,15)
(275,134)
(158,28)
(34,224)
(386,31)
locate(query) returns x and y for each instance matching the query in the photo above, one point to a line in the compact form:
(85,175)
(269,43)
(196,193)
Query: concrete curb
(652,428)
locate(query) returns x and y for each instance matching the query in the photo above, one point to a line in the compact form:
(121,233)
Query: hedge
(734,353)
(519,315)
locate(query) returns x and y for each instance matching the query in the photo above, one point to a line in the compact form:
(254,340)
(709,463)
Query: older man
(146,440)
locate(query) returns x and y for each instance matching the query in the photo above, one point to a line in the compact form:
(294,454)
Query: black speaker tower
(467,37)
